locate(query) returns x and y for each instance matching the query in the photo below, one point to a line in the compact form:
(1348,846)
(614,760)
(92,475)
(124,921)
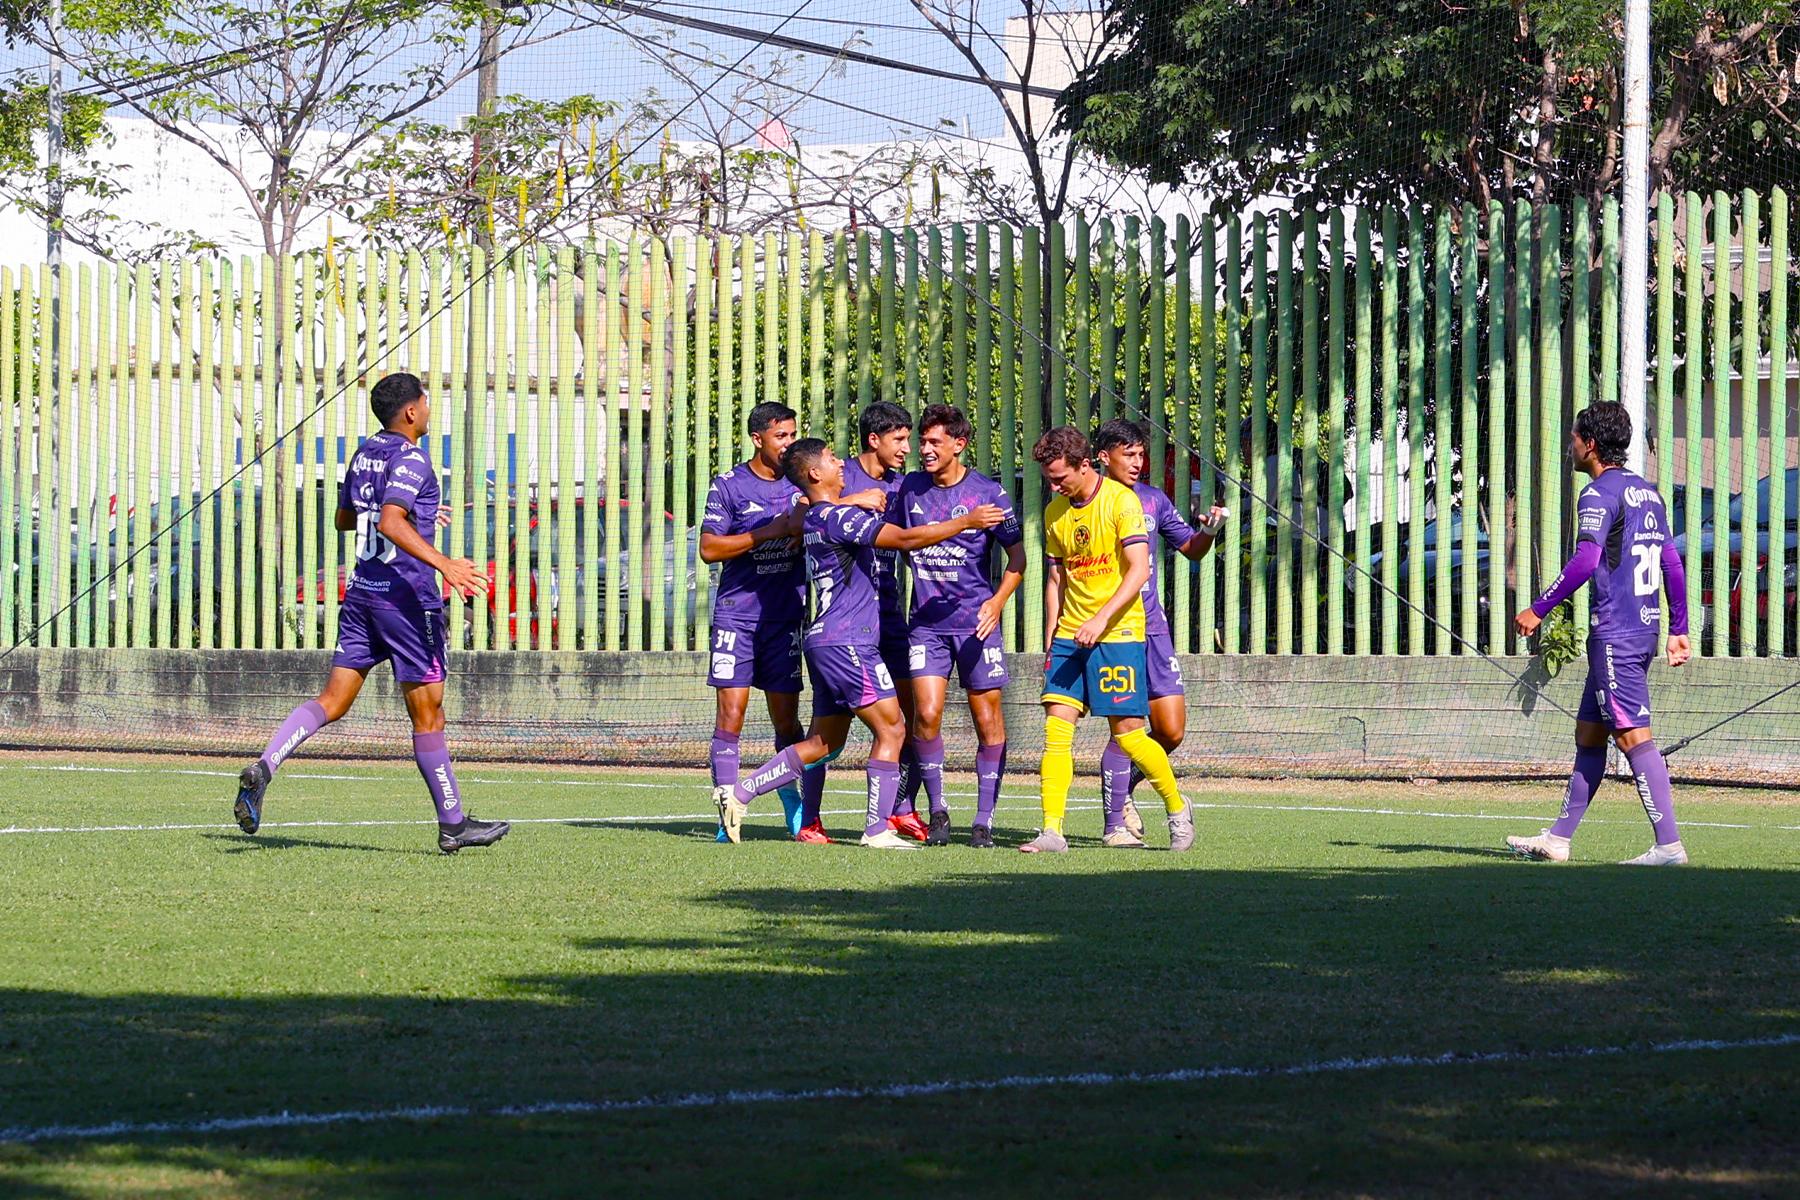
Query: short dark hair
(799,458)
(1608,426)
(392,393)
(1065,442)
(880,419)
(947,417)
(767,413)
(1118,432)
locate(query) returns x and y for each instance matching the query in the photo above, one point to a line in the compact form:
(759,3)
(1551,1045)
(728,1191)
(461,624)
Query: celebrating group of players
(816,552)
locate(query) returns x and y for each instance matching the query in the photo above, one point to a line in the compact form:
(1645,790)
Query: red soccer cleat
(908,825)
(813,835)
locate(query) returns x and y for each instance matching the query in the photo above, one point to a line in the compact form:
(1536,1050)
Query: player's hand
(873,499)
(1214,522)
(1090,633)
(463,578)
(443,517)
(1679,649)
(985,516)
(1527,622)
(987,618)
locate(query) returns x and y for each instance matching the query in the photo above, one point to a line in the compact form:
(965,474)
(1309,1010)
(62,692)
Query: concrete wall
(1443,717)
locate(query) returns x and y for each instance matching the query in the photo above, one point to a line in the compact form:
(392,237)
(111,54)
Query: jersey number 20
(1645,560)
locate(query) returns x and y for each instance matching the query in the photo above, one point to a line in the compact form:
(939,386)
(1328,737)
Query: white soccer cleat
(1122,839)
(1134,820)
(1545,847)
(1671,855)
(1181,829)
(731,812)
(887,839)
(1047,841)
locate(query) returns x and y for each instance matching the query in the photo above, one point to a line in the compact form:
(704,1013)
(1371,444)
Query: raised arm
(917,537)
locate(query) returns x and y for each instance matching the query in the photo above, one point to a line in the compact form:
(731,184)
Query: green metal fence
(1381,397)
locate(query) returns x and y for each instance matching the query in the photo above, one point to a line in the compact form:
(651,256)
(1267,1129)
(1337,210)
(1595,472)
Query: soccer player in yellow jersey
(1099,556)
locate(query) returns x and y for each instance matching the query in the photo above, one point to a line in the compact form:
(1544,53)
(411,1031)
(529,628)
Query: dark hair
(767,413)
(947,417)
(1065,442)
(1608,426)
(880,419)
(392,393)
(1118,432)
(799,458)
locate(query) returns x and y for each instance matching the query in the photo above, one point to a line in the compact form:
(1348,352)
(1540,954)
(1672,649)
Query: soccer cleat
(908,825)
(813,835)
(939,833)
(1181,829)
(253,781)
(887,839)
(1134,820)
(792,810)
(1545,847)
(981,837)
(731,812)
(1047,841)
(1122,839)
(1671,855)
(471,832)
(721,835)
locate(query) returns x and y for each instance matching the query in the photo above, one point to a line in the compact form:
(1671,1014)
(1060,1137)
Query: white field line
(884,1091)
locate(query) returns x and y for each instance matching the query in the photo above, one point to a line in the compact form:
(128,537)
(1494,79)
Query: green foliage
(1339,101)
(1560,641)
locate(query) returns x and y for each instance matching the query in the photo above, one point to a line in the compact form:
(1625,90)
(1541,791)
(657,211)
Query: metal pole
(53,215)
(1634,275)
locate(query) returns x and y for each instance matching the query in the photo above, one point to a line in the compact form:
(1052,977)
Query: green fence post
(1415,435)
(1721,440)
(1553,473)
(1468,399)
(1231,413)
(1082,319)
(1284,533)
(1256,473)
(1749,367)
(524,399)
(1131,350)
(1031,406)
(1337,461)
(1609,300)
(959,294)
(1500,527)
(1523,506)
(1366,416)
(984,358)
(706,436)
(1157,403)
(654,521)
(569,502)
(1693,376)
(932,391)
(1443,452)
(1181,599)
(1778,421)
(1006,447)
(1312,456)
(1665,354)
(1056,297)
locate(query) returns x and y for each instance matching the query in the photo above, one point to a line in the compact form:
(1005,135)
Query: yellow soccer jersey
(1089,540)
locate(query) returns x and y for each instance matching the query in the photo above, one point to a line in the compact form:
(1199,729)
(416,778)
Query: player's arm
(872,499)
(1136,554)
(346,520)
(1675,583)
(988,618)
(397,527)
(718,545)
(897,537)
(1054,582)
(1201,537)
(1593,516)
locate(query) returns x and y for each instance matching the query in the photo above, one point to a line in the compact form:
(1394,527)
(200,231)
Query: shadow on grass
(235,843)
(1142,968)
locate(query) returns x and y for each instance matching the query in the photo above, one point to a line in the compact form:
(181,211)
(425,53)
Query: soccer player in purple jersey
(843,639)
(886,432)
(956,614)
(1624,544)
(752,526)
(1120,446)
(392,611)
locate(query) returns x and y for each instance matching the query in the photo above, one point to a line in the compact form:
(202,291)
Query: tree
(1335,102)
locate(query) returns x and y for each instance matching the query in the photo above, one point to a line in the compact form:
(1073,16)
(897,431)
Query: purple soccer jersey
(840,571)
(952,580)
(388,469)
(1160,517)
(770,580)
(887,562)
(1621,534)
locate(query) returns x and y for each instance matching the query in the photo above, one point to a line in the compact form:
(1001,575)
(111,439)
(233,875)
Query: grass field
(169,969)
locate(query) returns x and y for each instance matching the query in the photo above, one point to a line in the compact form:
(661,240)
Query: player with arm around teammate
(956,611)
(843,640)
(1625,546)
(752,526)
(1094,615)
(392,611)
(1119,446)
(880,465)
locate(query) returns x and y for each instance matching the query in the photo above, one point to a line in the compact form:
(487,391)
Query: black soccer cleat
(939,832)
(981,837)
(471,832)
(253,781)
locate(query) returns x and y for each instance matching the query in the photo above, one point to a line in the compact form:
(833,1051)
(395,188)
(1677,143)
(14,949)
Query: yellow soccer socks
(1058,770)
(1151,759)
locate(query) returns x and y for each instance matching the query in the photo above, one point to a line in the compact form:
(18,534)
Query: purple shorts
(980,663)
(895,652)
(1162,670)
(766,658)
(1617,692)
(411,638)
(846,679)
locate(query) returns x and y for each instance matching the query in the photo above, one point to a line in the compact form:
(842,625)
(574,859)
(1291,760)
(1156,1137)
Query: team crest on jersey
(961,510)
(1082,537)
